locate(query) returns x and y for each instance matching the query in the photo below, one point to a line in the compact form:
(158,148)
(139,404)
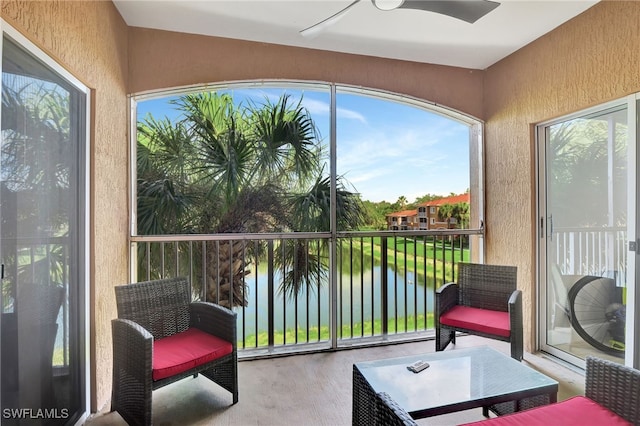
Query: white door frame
(632,353)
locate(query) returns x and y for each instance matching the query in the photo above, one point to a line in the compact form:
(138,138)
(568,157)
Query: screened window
(258,159)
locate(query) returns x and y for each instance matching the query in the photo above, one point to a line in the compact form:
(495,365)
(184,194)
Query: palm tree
(227,168)
(37,163)
(402,202)
(445,212)
(578,173)
(461,213)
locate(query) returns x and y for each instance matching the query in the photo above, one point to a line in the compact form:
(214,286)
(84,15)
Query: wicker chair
(149,312)
(614,386)
(486,289)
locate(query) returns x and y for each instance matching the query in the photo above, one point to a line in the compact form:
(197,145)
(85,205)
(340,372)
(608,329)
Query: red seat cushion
(483,320)
(184,351)
(578,411)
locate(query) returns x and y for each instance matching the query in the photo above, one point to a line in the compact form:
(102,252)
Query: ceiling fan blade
(314,29)
(466,10)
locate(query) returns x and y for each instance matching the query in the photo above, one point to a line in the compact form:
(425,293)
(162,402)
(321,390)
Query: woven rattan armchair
(484,301)
(157,322)
(614,386)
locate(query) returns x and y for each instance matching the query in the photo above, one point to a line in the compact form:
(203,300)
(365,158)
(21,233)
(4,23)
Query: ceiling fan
(466,10)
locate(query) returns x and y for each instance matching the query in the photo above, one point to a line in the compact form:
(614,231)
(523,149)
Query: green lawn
(370,329)
(408,256)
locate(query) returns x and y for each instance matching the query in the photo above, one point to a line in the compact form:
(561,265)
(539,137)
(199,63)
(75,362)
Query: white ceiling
(413,35)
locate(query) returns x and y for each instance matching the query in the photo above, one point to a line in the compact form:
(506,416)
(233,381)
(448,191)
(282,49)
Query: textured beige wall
(90,40)
(591,59)
(187,59)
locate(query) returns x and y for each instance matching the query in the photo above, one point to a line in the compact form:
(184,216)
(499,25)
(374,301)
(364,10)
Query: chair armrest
(214,319)
(515,310)
(132,349)
(388,412)
(515,323)
(614,386)
(446,298)
(515,301)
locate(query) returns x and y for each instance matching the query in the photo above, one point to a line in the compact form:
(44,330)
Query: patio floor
(312,389)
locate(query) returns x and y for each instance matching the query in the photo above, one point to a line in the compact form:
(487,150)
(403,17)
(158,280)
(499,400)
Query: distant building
(426,216)
(403,221)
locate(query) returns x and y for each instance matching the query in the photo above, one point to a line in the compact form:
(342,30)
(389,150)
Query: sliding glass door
(42,241)
(587,164)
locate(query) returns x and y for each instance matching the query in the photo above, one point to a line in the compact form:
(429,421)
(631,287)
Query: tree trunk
(226,269)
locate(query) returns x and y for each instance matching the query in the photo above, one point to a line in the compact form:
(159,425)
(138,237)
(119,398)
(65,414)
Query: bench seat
(578,411)
(476,319)
(185,351)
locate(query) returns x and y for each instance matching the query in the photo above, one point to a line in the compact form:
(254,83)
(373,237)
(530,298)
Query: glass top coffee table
(457,379)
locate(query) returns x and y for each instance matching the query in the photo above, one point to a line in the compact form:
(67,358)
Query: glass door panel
(41,242)
(585,245)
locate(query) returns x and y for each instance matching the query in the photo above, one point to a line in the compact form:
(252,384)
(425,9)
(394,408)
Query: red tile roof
(404,213)
(462,198)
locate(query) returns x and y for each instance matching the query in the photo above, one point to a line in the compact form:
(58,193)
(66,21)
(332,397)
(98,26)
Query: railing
(597,251)
(295,291)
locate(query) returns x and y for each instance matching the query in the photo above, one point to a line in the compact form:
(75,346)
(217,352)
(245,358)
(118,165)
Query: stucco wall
(187,59)
(90,40)
(591,59)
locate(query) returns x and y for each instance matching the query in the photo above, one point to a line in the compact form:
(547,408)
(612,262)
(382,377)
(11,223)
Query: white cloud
(383,164)
(316,106)
(350,115)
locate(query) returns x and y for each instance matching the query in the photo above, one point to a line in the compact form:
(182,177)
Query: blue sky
(385,149)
